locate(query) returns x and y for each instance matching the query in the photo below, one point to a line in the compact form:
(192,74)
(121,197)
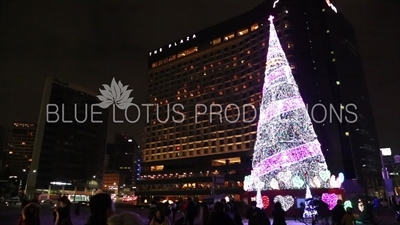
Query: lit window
(347,133)
(332,52)
(327,31)
(187,52)
(10,152)
(290,45)
(242,32)
(333,60)
(254,27)
(216,41)
(292,66)
(248,51)
(323,10)
(337,82)
(229,37)
(23,143)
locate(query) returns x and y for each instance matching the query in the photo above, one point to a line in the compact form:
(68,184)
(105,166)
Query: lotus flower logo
(115,94)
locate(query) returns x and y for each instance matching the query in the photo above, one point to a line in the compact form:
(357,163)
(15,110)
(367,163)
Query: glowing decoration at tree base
(265,201)
(330,199)
(287,154)
(274,184)
(347,204)
(336,182)
(286,201)
(259,200)
(309,210)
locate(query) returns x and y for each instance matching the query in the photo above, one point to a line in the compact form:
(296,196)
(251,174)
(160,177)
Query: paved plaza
(9,216)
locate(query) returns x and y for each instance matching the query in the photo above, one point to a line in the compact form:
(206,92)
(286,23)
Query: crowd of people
(181,213)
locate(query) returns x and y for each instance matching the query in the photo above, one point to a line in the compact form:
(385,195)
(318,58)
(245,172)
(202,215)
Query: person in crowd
(348,218)
(174,209)
(62,212)
(337,213)
(191,211)
(152,211)
(377,205)
(24,203)
(126,218)
(279,215)
(77,208)
(219,216)
(30,215)
(256,216)
(159,219)
(101,208)
(206,214)
(237,218)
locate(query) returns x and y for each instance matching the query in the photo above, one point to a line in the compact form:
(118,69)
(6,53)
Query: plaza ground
(9,215)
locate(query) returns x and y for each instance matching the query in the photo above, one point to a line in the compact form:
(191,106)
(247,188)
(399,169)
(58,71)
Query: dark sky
(90,43)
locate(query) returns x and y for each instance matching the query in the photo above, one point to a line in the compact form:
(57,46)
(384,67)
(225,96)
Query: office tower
(225,64)
(125,157)
(69,148)
(3,152)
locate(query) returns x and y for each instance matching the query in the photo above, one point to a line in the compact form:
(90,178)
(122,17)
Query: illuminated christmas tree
(309,210)
(287,154)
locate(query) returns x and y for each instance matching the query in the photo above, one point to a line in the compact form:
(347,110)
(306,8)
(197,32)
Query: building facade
(224,65)
(20,147)
(125,157)
(111,181)
(69,147)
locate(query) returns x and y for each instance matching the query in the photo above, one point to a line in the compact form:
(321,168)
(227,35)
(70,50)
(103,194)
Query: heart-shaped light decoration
(325,175)
(265,201)
(340,178)
(330,199)
(286,201)
(274,184)
(347,204)
(248,183)
(297,182)
(316,182)
(284,176)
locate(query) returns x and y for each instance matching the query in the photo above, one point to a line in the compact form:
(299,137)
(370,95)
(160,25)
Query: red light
(178,148)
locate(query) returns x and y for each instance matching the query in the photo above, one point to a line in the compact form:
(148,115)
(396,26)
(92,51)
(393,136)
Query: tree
(287,154)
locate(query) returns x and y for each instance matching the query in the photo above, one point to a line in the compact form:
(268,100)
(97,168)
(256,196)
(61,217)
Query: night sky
(90,43)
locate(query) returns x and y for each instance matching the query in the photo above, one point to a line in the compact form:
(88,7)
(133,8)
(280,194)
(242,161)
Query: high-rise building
(125,157)
(20,147)
(224,64)
(3,152)
(69,148)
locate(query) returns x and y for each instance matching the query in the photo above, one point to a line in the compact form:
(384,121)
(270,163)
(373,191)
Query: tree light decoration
(274,184)
(336,182)
(286,140)
(316,182)
(286,201)
(259,186)
(330,199)
(309,210)
(265,201)
(347,204)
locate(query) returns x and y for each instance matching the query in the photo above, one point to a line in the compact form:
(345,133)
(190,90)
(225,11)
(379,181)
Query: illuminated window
(290,45)
(157,168)
(242,32)
(236,89)
(10,152)
(333,60)
(229,37)
(337,82)
(23,143)
(216,41)
(287,25)
(234,58)
(153,65)
(248,51)
(347,134)
(254,27)
(188,52)
(292,66)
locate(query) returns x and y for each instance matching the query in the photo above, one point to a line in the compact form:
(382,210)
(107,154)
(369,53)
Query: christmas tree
(309,210)
(287,154)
